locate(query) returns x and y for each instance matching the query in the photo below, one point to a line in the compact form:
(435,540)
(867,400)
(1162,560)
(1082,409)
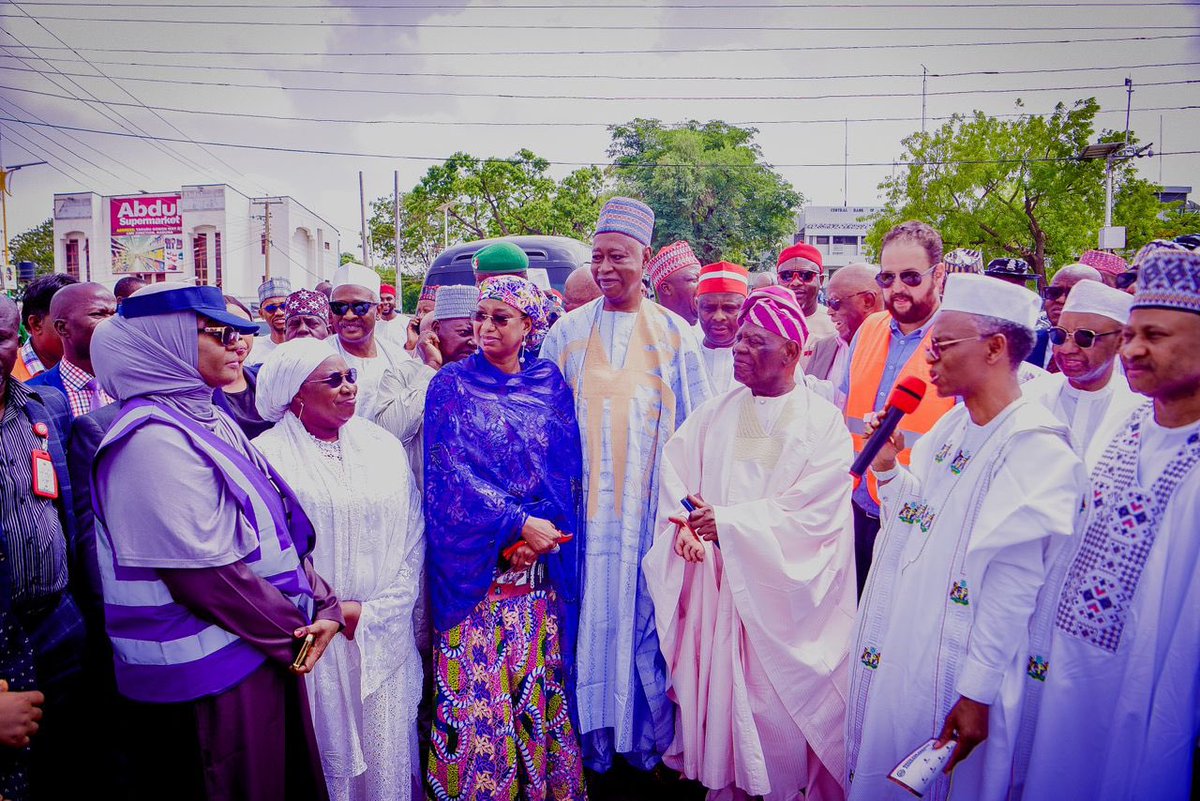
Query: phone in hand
(302,654)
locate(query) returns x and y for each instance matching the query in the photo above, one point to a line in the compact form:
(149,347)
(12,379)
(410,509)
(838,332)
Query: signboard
(147,234)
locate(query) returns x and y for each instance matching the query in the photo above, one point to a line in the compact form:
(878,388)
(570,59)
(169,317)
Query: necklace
(329,450)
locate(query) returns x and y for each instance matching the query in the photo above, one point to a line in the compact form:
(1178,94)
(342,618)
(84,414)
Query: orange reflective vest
(866,372)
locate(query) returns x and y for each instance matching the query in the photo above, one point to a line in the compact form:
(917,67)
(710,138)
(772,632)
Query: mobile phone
(686,504)
(302,654)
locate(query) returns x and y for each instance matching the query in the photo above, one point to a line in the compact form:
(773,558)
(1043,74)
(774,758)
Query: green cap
(500,258)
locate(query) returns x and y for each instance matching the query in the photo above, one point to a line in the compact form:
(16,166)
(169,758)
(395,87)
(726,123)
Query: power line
(515,124)
(593,76)
(82,173)
(701,51)
(435,159)
(39,153)
(605,6)
(21,109)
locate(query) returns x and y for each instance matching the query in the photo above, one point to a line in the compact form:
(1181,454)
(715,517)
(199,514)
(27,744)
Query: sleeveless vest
(162,652)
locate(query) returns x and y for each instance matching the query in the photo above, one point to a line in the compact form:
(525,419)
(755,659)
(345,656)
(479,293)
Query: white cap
(1093,297)
(988,297)
(351,274)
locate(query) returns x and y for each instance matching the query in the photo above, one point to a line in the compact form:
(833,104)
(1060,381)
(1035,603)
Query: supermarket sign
(147,234)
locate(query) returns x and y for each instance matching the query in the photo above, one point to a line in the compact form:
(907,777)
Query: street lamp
(445,210)
(1112,153)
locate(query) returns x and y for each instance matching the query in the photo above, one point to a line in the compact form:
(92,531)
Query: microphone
(905,398)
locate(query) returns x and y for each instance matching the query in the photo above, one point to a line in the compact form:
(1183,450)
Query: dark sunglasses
(361,307)
(908,277)
(271,308)
(227,335)
(787,276)
(1053,293)
(1126,279)
(936,347)
(836,303)
(1083,337)
(498,320)
(335,380)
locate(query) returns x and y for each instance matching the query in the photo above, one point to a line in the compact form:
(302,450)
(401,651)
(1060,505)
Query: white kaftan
(757,636)
(719,364)
(956,573)
(1093,417)
(391,390)
(370,546)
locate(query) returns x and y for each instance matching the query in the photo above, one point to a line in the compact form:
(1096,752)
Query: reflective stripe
(173,652)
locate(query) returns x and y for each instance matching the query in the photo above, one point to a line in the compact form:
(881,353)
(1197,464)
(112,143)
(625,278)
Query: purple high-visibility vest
(162,652)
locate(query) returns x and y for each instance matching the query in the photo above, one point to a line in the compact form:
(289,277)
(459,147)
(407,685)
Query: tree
(35,245)
(484,198)
(1012,187)
(708,186)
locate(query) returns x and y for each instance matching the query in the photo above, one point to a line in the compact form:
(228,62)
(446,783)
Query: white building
(839,232)
(207,234)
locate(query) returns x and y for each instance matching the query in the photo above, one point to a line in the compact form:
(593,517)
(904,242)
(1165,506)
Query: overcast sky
(452,66)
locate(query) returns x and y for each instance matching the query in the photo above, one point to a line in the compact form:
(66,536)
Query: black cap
(1009,268)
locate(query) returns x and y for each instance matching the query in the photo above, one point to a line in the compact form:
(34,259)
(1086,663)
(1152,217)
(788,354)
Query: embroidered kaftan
(1093,417)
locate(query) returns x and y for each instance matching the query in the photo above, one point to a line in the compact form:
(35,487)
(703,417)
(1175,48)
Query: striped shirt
(30,359)
(33,535)
(82,398)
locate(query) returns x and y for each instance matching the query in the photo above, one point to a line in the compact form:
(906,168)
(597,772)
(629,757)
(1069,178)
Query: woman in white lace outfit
(353,479)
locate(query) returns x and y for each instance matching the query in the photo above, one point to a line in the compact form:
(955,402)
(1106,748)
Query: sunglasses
(908,277)
(787,276)
(935,347)
(498,320)
(335,380)
(1083,337)
(361,307)
(836,303)
(271,308)
(1126,279)
(1053,293)
(227,335)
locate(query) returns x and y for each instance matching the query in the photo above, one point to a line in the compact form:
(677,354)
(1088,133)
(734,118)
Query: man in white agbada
(754,592)
(1089,394)
(1115,662)
(941,642)
(351,479)
(719,297)
(391,384)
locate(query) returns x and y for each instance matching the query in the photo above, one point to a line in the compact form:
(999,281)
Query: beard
(915,310)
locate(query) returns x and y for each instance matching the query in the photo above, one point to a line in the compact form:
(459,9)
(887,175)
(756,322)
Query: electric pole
(267,239)
(396,236)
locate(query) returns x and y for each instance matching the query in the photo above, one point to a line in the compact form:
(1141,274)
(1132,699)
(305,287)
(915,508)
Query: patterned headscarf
(775,309)
(524,296)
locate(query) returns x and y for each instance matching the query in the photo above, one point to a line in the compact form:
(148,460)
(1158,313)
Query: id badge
(45,480)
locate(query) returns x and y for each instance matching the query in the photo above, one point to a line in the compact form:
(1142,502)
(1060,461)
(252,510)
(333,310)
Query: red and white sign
(147,234)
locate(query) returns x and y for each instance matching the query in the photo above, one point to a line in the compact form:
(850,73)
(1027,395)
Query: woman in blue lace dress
(503,472)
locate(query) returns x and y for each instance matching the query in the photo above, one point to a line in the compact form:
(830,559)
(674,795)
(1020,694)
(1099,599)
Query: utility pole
(396,235)
(5,172)
(924,86)
(267,239)
(1128,106)
(846,168)
(362,211)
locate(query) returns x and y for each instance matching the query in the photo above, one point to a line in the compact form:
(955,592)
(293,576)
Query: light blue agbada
(635,378)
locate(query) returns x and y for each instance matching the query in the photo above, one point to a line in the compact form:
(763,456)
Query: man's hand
(323,631)
(19,716)
(886,458)
(352,611)
(541,535)
(968,724)
(429,349)
(702,521)
(687,544)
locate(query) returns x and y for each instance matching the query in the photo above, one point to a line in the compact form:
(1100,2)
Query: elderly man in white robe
(1088,393)
(1116,649)
(941,641)
(351,478)
(391,384)
(754,590)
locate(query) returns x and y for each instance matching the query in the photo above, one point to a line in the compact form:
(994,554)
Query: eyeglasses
(335,380)
(227,335)
(1083,337)
(935,347)
(498,320)
(1126,279)
(908,277)
(271,308)
(361,307)
(787,276)
(1053,293)
(836,303)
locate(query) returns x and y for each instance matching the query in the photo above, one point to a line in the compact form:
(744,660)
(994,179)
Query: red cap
(907,394)
(724,277)
(802,250)
(388,288)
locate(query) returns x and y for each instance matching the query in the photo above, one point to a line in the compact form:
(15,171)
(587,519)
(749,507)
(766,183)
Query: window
(217,257)
(821,240)
(200,258)
(73,258)
(845,240)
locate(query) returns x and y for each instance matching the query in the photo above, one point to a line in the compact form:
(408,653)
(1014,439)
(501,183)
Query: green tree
(35,245)
(484,198)
(1012,187)
(708,185)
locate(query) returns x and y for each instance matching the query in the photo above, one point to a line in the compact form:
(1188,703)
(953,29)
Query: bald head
(1063,280)
(10,326)
(853,296)
(854,278)
(75,311)
(758,280)
(580,288)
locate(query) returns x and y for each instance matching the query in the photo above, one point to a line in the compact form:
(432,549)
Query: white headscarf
(284,370)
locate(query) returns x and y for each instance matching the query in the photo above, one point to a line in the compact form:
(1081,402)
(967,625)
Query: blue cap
(204,300)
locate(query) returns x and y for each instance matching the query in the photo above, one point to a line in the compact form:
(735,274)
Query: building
(839,232)
(209,234)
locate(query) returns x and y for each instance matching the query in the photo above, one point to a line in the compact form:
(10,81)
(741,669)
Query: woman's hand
(687,544)
(886,458)
(703,520)
(541,535)
(19,716)
(323,631)
(352,611)
(522,557)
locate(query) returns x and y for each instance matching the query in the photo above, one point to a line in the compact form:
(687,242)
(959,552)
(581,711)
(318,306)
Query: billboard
(147,234)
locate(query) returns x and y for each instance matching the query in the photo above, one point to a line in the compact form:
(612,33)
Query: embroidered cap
(670,260)
(775,309)
(724,277)
(963,260)
(306,301)
(1167,279)
(625,215)
(1009,268)
(985,297)
(1105,262)
(428,292)
(455,301)
(274,288)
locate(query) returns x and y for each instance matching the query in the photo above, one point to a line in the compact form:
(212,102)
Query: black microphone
(905,398)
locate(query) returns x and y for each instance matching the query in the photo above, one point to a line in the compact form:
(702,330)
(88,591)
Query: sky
(413,82)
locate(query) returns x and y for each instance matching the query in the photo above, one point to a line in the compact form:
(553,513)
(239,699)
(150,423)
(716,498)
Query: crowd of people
(532,545)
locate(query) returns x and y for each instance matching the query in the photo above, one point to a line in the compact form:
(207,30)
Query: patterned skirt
(501,727)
